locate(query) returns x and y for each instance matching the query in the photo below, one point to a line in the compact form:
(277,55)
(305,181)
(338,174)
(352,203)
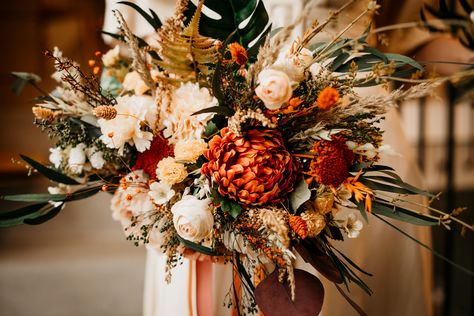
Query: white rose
(111,57)
(133,81)
(77,158)
(274,88)
(96,157)
(294,65)
(161,192)
(55,156)
(193,218)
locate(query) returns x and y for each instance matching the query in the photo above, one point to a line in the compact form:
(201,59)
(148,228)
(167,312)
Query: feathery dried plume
(105,111)
(276,220)
(242,116)
(139,56)
(43,113)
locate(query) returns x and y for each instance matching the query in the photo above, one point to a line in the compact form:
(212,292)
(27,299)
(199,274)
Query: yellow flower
(170,171)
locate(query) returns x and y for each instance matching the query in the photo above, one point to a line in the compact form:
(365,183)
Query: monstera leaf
(222,17)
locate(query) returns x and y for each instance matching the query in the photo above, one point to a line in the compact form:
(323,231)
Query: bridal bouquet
(225,139)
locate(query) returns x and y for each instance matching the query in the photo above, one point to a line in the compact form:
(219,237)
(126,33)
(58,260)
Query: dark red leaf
(274,298)
(320,261)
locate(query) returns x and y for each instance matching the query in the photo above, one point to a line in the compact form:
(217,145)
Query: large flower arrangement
(227,142)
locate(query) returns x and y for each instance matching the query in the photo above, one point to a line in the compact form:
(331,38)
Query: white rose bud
(274,88)
(193,218)
(77,158)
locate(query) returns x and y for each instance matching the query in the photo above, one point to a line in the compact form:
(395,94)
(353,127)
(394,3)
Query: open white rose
(193,218)
(274,88)
(294,65)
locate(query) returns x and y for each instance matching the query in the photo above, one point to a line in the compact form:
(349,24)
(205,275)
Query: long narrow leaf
(48,172)
(45,217)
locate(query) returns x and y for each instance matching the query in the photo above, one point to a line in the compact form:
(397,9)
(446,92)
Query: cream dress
(402,270)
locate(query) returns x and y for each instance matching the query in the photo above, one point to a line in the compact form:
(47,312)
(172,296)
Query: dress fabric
(401,269)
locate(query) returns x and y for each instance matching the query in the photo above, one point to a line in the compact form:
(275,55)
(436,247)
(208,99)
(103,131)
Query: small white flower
(111,57)
(96,157)
(352,226)
(132,111)
(161,192)
(203,189)
(56,156)
(77,158)
(193,218)
(316,69)
(60,189)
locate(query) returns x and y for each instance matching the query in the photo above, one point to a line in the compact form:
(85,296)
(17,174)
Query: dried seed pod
(315,222)
(105,111)
(43,113)
(299,225)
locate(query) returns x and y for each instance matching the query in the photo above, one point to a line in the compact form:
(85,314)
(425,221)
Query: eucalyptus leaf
(23,78)
(22,211)
(45,217)
(35,197)
(222,110)
(48,172)
(399,213)
(199,248)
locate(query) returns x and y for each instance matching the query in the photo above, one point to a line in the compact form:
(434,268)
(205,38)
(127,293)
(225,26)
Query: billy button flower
(238,53)
(328,98)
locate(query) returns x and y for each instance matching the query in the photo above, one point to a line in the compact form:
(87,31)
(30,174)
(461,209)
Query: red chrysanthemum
(332,162)
(148,160)
(252,169)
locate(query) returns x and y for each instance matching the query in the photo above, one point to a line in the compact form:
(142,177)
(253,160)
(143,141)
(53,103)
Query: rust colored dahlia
(252,169)
(332,162)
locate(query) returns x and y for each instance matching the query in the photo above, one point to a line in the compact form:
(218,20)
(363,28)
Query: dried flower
(238,53)
(189,150)
(133,81)
(170,171)
(327,98)
(315,222)
(252,169)
(299,225)
(43,113)
(106,112)
(332,162)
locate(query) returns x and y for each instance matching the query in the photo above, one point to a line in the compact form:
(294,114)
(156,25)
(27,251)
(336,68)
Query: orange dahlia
(332,162)
(253,168)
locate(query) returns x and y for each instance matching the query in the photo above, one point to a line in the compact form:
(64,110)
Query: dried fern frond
(187,54)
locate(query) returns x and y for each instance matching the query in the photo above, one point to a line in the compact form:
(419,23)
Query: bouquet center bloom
(253,169)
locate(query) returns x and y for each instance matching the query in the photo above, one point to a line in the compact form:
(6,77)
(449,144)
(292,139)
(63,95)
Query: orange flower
(299,226)
(360,191)
(327,98)
(332,161)
(238,53)
(252,169)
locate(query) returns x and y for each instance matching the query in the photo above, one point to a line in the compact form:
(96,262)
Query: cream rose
(294,65)
(193,218)
(189,150)
(170,171)
(274,88)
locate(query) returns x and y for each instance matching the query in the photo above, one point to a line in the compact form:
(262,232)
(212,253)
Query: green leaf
(22,78)
(300,194)
(22,211)
(199,248)
(222,17)
(211,129)
(404,60)
(363,212)
(387,209)
(231,207)
(48,172)
(44,217)
(152,18)
(34,197)
(398,182)
(222,110)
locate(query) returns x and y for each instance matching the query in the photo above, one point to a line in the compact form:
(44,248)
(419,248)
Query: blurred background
(80,263)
